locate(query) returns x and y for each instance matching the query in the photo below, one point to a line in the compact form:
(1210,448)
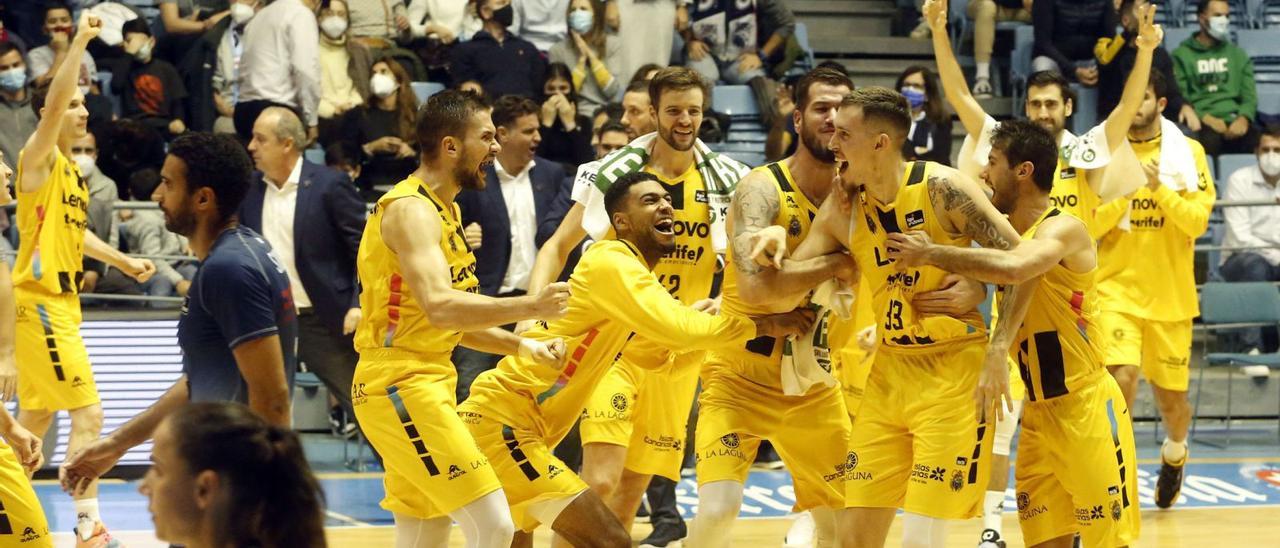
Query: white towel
(806,361)
(1177,165)
(719,173)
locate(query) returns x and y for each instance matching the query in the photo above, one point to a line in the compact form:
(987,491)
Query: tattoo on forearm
(755,204)
(976,224)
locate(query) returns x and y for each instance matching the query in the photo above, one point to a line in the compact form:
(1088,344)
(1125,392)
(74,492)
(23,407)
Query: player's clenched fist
(548,352)
(552,302)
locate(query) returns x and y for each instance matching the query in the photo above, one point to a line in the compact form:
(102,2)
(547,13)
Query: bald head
(278,141)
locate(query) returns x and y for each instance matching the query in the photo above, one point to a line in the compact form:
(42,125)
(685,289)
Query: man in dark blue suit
(313,218)
(522,203)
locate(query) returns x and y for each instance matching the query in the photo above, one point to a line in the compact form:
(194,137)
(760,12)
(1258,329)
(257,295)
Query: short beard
(181,223)
(668,136)
(817,148)
(468,179)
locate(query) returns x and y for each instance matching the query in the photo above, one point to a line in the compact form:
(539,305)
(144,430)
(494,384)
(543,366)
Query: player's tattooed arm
(966,208)
(754,206)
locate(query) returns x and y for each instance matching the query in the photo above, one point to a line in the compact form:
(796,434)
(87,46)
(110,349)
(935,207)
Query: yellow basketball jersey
(1057,345)
(761,357)
(900,327)
(1072,194)
(393,317)
(51,222)
(1148,271)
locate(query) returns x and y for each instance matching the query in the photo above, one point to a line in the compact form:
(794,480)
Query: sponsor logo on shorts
(957,481)
(553,471)
(1176,363)
(1024,500)
(663,443)
(1115,510)
(730,441)
(470,418)
(1113,490)
(851,461)
(29,534)
(962,462)
(1086,515)
(358,395)
(922,473)
(455,472)
(76,382)
(1025,510)
(478,464)
(619,402)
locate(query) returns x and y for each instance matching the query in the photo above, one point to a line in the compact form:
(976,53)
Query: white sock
(992,507)
(919,531)
(413,532)
(88,507)
(1173,452)
(984,70)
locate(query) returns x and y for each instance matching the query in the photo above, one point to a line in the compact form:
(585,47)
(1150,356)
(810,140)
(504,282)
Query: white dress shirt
(1249,226)
(278,206)
(517,192)
(281,58)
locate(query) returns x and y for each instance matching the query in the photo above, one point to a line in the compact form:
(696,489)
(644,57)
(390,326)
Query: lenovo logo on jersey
(700,230)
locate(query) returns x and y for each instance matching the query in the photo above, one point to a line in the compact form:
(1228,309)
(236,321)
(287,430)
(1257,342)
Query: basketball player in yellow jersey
(1076,466)
(743,400)
(420,296)
(635,423)
(24,523)
(917,442)
(519,411)
(1147,280)
(1081,181)
(53,199)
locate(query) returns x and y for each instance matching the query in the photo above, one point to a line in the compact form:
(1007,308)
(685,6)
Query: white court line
(346,519)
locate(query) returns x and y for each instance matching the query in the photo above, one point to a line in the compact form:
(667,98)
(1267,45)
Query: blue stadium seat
(1229,164)
(1269,102)
(1260,45)
(1086,109)
(1020,63)
(314,155)
(736,101)
(807,61)
(1174,37)
(424,90)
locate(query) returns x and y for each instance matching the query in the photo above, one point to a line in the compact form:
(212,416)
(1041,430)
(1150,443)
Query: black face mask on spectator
(504,16)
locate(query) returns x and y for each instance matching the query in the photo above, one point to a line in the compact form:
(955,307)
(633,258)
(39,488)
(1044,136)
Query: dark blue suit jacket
(327,223)
(551,200)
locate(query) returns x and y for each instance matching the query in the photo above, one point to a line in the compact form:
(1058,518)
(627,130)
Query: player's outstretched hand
(1149,33)
(90,27)
(935,14)
(795,323)
(909,249)
(549,352)
(992,395)
(88,464)
(552,302)
(769,246)
(25,445)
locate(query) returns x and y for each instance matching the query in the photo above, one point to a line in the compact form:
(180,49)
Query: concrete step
(835,45)
(842,19)
(803,7)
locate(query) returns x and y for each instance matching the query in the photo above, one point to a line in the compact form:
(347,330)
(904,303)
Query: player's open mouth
(665,227)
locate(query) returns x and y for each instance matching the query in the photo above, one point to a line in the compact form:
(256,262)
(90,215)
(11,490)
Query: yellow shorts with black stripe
(643,404)
(810,433)
(916,442)
(408,411)
(530,473)
(1077,469)
(22,521)
(1163,349)
(53,366)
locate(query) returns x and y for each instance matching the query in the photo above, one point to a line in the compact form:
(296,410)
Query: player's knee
(920,531)
(87,420)
(718,503)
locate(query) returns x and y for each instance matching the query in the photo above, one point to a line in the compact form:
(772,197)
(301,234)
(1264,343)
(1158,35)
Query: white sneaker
(801,531)
(982,88)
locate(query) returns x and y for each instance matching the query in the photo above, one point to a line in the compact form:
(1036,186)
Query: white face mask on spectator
(1269,163)
(382,85)
(86,164)
(1220,28)
(144,52)
(333,26)
(241,13)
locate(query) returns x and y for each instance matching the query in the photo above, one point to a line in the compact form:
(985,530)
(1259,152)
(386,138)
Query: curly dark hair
(218,162)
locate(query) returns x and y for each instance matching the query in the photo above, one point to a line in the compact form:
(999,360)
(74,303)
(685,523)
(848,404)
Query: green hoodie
(1217,79)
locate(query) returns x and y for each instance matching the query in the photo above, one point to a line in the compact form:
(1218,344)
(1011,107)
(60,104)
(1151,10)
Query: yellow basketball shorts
(53,366)
(810,433)
(1077,469)
(852,365)
(22,521)
(916,443)
(530,473)
(645,408)
(408,411)
(1163,349)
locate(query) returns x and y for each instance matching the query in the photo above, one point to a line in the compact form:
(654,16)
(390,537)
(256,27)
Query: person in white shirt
(313,218)
(280,65)
(524,198)
(1254,226)
(44,60)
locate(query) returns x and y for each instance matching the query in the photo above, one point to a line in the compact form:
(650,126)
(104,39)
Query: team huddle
(846,330)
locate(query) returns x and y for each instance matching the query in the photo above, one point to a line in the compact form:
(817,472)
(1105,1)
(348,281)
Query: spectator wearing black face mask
(503,63)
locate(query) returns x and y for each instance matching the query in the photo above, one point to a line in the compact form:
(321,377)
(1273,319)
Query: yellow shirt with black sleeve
(520,411)
(55,369)
(1073,194)
(404,384)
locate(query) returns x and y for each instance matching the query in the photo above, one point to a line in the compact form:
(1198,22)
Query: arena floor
(1231,498)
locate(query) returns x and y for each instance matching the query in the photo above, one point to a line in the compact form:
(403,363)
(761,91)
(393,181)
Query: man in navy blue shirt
(238,330)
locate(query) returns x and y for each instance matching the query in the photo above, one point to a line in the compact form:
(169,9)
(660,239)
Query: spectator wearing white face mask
(384,127)
(1257,227)
(592,53)
(345,70)
(225,85)
(150,89)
